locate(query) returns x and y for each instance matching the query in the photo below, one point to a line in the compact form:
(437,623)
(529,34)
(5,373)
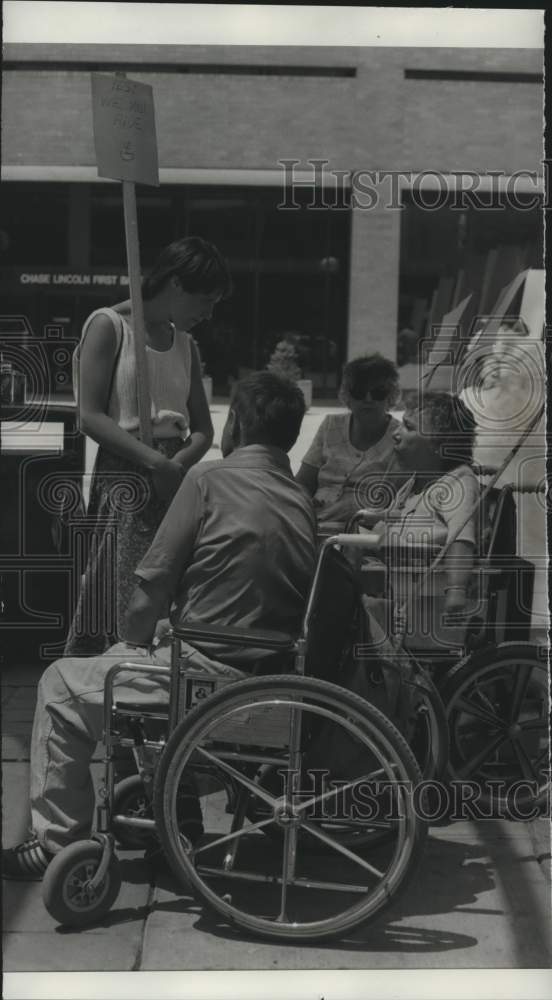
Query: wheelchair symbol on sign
(199,692)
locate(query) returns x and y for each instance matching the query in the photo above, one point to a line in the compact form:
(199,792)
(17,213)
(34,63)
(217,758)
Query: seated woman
(435,507)
(352,462)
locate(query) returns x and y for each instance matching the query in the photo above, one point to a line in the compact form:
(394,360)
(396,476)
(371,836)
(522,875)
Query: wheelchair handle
(485,471)
(369,540)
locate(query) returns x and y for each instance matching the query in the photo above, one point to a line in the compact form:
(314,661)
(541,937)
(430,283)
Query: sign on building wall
(124,129)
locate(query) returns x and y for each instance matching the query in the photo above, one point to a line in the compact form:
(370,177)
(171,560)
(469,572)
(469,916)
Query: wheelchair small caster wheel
(66,890)
(130,799)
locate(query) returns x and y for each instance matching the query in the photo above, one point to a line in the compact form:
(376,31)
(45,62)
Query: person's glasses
(376,394)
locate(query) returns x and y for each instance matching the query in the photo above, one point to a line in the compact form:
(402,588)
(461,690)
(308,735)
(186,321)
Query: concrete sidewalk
(481,900)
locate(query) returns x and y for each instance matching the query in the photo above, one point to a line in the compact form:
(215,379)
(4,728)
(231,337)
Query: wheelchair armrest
(256,639)
(411,548)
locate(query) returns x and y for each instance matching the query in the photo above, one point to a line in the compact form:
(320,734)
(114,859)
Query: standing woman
(133,483)
(351,462)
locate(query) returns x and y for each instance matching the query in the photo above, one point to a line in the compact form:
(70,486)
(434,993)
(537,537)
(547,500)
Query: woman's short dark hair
(368,372)
(452,426)
(198,265)
(270,409)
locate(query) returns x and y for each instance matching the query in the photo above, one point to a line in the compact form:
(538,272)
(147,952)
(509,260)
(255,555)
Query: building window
(449,253)
(290,268)
(35,225)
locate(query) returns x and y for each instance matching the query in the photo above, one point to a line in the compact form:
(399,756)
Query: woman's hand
(456,599)
(167,477)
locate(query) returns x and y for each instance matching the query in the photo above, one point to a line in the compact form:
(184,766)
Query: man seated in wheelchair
(236,548)
(435,508)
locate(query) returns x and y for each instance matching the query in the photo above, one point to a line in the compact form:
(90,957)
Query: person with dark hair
(133,483)
(269,409)
(236,548)
(351,462)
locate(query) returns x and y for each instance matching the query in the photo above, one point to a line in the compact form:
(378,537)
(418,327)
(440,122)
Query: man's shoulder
(202,470)
(226,468)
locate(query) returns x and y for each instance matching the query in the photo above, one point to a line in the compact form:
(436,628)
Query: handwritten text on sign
(124,129)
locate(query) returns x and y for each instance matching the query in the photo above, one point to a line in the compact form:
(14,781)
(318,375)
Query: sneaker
(26,862)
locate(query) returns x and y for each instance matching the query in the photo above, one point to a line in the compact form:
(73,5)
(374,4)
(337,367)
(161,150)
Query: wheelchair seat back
(333,620)
(498,534)
(494,575)
(506,580)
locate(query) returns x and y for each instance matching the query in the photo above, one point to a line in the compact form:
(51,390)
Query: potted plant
(284,361)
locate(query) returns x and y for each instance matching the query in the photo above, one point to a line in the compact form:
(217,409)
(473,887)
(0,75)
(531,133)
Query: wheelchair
(485,701)
(283,802)
(314,811)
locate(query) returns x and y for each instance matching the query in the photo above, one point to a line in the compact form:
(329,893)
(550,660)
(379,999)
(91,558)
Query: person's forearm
(459,565)
(307,477)
(144,610)
(196,447)
(107,433)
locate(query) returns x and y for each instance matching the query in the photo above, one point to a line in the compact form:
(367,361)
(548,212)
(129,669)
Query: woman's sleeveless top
(169,375)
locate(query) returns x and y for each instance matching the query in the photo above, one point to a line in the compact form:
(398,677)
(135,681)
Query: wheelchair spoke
(340,789)
(478,712)
(330,842)
(247,782)
(533,726)
(520,687)
(481,757)
(231,836)
(524,761)
(301,883)
(288,869)
(542,767)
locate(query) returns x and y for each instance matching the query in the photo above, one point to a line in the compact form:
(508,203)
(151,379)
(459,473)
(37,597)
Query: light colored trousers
(68,724)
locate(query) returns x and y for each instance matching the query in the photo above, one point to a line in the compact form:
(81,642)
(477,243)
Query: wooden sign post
(126,150)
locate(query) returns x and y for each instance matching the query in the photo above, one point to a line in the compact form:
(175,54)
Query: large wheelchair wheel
(282,889)
(497,706)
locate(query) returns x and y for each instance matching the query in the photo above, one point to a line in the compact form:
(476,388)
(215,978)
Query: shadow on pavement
(452,876)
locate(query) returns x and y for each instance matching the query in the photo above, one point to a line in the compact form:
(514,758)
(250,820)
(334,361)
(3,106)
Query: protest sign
(126,150)
(124,129)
